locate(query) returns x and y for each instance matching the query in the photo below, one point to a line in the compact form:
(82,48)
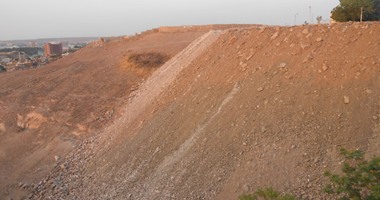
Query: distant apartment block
(53,49)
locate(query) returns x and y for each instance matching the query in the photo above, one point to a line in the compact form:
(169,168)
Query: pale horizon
(37,19)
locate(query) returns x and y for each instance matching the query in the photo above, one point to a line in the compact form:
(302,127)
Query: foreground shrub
(359,180)
(267,194)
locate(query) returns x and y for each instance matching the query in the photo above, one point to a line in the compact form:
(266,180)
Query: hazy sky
(31,19)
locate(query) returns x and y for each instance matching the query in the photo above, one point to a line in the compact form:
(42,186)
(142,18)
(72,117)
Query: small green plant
(360,178)
(267,194)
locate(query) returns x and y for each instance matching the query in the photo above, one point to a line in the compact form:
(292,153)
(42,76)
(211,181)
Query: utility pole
(295,19)
(361,14)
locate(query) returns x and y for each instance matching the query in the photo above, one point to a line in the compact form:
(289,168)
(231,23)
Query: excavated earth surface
(234,111)
(47,112)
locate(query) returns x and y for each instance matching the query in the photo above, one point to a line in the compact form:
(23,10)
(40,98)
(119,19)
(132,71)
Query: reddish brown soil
(236,110)
(46,111)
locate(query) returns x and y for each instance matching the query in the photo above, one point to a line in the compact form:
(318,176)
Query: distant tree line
(353,10)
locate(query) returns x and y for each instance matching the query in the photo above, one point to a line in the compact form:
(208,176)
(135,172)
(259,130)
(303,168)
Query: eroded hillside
(266,106)
(46,112)
(259,107)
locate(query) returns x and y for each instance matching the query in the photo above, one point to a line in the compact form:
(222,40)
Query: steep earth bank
(47,111)
(258,107)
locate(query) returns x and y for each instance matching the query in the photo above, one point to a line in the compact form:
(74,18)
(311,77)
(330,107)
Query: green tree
(350,10)
(375,16)
(360,178)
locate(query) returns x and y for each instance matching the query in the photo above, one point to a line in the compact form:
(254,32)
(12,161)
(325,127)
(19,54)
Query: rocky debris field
(236,110)
(47,112)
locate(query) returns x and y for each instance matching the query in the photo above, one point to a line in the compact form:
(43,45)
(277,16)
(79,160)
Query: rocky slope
(263,106)
(46,112)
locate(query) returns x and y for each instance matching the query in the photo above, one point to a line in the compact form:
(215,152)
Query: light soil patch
(32,120)
(2,128)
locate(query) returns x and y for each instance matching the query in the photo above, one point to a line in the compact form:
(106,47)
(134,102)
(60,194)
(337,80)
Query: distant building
(53,49)
(32,44)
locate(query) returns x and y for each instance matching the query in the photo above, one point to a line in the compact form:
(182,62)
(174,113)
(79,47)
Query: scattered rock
(304,46)
(260,89)
(282,65)
(274,36)
(2,128)
(246,188)
(56,158)
(305,31)
(346,99)
(319,39)
(263,129)
(81,127)
(32,120)
(249,57)
(109,114)
(325,67)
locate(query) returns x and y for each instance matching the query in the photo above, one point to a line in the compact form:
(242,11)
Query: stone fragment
(2,127)
(246,188)
(56,158)
(274,36)
(282,65)
(325,67)
(260,89)
(263,129)
(346,99)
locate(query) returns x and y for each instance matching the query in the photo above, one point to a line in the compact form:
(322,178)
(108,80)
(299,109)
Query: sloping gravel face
(259,107)
(45,112)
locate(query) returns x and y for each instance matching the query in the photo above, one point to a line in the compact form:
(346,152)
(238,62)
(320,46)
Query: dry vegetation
(148,60)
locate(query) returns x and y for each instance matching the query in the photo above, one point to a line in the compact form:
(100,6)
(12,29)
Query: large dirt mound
(258,107)
(45,112)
